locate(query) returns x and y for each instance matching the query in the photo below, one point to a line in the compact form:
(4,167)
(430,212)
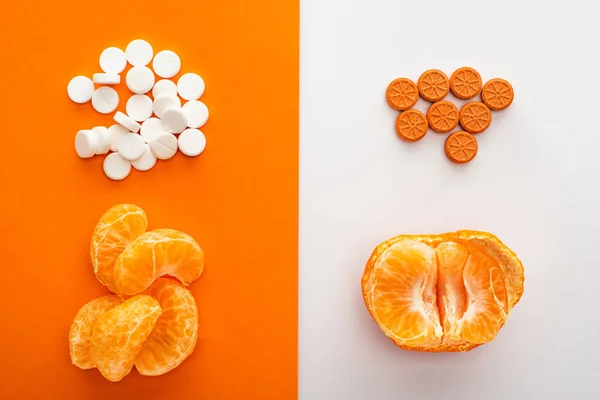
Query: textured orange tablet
(497,94)
(433,85)
(475,117)
(465,83)
(411,125)
(442,116)
(402,94)
(448,292)
(461,147)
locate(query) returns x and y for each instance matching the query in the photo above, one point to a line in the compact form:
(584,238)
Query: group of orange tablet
(443,116)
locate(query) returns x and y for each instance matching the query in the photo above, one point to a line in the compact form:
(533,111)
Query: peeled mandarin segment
(411,125)
(497,94)
(475,117)
(465,83)
(442,116)
(120,333)
(433,85)
(80,335)
(157,253)
(176,332)
(115,230)
(401,294)
(461,147)
(402,94)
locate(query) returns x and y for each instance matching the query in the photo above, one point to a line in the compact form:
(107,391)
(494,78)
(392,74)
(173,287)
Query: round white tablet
(106,79)
(80,89)
(196,113)
(190,86)
(113,60)
(164,147)
(191,142)
(139,53)
(105,100)
(139,107)
(127,122)
(86,143)
(164,87)
(130,146)
(116,167)
(152,129)
(166,64)
(162,102)
(146,161)
(116,131)
(104,138)
(140,80)
(174,120)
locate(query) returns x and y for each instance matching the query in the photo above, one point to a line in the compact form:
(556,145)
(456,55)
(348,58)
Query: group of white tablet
(156,138)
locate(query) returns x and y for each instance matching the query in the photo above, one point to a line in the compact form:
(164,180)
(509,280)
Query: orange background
(239,199)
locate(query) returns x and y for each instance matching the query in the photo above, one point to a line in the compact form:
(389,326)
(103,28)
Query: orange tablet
(475,117)
(433,85)
(465,83)
(461,147)
(442,116)
(402,94)
(411,125)
(497,94)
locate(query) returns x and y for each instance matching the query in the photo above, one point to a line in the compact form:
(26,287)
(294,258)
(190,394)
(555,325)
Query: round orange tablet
(402,94)
(442,116)
(475,117)
(497,94)
(461,147)
(411,125)
(433,85)
(465,83)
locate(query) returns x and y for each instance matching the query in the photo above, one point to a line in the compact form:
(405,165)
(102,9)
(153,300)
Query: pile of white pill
(138,138)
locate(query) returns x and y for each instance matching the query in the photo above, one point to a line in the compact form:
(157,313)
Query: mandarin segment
(402,94)
(154,254)
(442,116)
(176,332)
(80,334)
(475,117)
(465,83)
(118,226)
(120,333)
(497,94)
(411,125)
(433,85)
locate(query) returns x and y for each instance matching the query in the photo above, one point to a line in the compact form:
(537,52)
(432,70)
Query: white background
(534,183)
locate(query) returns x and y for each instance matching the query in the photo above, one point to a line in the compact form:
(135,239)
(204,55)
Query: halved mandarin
(497,94)
(448,292)
(461,147)
(433,85)
(475,117)
(402,94)
(442,116)
(465,83)
(411,125)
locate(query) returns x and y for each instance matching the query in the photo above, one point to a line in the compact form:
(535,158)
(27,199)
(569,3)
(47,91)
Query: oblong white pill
(139,107)
(116,167)
(113,60)
(86,143)
(115,131)
(190,86)
(106,79)
(174,120)
(164,87)
(162,102)
(140,80)
(139,53)
(104,139)
(191,142)
(127,122)
(164,147)
(80,89)
(146,161)
(152,129)
(130,146)
(166,64)
(105,100)
(196,113)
